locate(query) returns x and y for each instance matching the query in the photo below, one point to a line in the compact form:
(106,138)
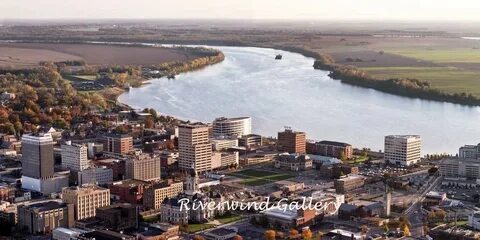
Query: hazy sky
(241,9)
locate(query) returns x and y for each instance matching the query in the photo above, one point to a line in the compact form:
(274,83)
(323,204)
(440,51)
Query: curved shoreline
(410,88)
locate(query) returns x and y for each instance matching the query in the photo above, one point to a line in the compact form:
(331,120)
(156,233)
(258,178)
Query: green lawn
(357,159)
(448,79)
(228,218)
(257,177)
(192,228)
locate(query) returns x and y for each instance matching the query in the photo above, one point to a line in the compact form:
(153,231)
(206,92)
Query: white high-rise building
(232,127)
(194,148)
(402,150)
(74,156)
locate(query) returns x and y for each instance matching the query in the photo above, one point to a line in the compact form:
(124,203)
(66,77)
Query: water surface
(291,93)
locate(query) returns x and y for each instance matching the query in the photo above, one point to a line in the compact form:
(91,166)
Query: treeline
(407,87)
(205,57)
(43,98)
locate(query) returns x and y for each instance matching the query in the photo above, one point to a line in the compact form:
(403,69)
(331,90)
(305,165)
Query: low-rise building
(460,167)
(105,234)
(221,233)
(250,140)
(474,220)
(129,191)
(43,217)
(96,175)
(331,149)
(286,219)
(118,216)
(348,183)
(220,144)
(293,162)
(154,195)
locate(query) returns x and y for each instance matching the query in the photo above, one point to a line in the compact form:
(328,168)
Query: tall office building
(118,144)
(37,165)
(194,148)
(232,127)
(143,167)
(74,156)
(402,150)
(291,141)
(37,156)
(86,199)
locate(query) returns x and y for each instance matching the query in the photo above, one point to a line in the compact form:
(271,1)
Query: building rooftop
(225,119)
(105,235)
(339,144)
(404,136)
(222,231)
(46,206)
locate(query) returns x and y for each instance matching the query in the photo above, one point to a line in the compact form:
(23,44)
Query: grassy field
(454,55)
(193,228)
(228,218)
(448,79)
(256,177)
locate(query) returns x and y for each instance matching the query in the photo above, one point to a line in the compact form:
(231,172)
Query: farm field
(28,55)
(448,79)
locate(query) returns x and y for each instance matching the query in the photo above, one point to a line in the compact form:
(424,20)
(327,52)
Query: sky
(445,10)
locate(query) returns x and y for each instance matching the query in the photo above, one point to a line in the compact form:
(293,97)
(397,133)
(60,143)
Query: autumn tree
(406,230)
(238,237)
(198,237)
(307,234)
(269,235)
(293,234)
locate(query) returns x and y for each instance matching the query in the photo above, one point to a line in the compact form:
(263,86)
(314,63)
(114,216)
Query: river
(291,93)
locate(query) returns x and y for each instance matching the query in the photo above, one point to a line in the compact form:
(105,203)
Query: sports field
(253,177)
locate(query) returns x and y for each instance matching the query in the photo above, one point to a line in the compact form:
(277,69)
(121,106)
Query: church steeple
(191,182)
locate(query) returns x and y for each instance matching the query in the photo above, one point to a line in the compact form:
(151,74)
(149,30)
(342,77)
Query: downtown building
(154,195)
(86,199)
(402,150)
(291,142)
(145,167)
(37,165)
(117,144)
(330,149)
(232,127)
(43,217)
(194,148)
(74,156)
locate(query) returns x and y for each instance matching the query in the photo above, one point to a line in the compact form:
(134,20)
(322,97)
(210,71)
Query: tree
(385,228)
(406,230)
(307,234)
(238,237)
(319,236)
(293,234)
(198,237)
(343,156)
(269,235)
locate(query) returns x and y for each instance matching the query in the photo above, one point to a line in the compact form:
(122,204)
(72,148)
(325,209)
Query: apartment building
(86,199)
(330,148)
